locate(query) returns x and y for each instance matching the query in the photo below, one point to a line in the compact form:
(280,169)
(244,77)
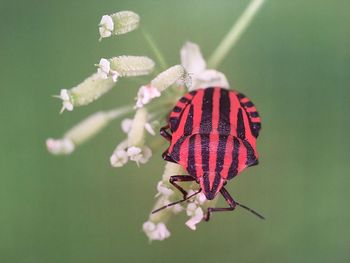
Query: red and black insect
(212,136)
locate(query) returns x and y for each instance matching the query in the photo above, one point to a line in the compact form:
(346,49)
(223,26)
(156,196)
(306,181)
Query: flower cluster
(153,103)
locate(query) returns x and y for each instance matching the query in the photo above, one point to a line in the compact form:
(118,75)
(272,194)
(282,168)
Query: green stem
(234,34)
(155,50)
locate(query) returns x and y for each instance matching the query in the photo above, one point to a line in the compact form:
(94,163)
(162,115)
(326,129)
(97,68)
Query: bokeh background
(293,62)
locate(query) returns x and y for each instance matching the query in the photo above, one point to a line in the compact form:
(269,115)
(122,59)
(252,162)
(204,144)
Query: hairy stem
(155,50)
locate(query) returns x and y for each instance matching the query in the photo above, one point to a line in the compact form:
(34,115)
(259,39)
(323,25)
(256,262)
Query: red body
(214,133)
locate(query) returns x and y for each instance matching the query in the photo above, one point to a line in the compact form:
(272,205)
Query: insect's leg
(230,201)
(165,133)
(167,157)
(181,178)
(177,202)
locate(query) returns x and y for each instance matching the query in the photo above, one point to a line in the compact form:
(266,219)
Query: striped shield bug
(212,134)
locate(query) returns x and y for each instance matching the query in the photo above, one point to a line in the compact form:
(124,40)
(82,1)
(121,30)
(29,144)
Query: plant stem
(234,34)
(155,50)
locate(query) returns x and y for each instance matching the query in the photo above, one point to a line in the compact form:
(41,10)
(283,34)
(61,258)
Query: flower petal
(192,59)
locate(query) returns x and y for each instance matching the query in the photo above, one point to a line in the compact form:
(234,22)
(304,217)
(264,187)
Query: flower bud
(83,131)
(128,66)
(136,135)
(89,90)
(168,77)
(118,23)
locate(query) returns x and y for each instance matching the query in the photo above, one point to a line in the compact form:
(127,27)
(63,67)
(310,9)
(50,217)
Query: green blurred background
(293,62)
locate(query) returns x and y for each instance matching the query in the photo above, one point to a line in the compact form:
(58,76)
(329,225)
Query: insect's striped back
(214,134)
(214,110)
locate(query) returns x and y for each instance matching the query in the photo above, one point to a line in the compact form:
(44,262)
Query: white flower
(119,158)
(149,128)
(103,68)
(126,125)
(105,71)
(192,60)
(196,214)
(163,189)
(177,208)
(118,23)
(59,146)
(145,95)
(106,26)
(156,231)
(67,103)
(139,155)
(201,199)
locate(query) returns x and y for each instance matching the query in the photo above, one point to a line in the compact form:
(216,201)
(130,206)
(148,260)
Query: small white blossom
(139,155)
(155,231)
(145,95)
(59,146)
(196,214)
(118,23)
(126,125)
(163,189)
(106,26)
(105,71)
(67,103)
(201,199)
(194,63)
(177,208)
(103,68)
(150,129)
(119,158)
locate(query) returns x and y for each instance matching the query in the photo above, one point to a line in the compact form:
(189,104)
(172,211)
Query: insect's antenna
(177,202)
(250,210)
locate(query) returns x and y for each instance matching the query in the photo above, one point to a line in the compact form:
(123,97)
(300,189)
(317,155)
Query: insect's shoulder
(250,110)
(180,107)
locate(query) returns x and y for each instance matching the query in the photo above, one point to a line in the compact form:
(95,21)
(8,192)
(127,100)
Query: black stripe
(205,152)
(191,166)
(233,170)
(255,127)
(216,183)
(177,109)
(224,114)
(254,114)
(184,100)
(175,154)
(240,96)
(251,158)
(189,122)
(174,123)
(220,153)
(206,183)
(240,125)
(248,104)
(207,111)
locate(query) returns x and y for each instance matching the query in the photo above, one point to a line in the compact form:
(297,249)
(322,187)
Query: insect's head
(211,183)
